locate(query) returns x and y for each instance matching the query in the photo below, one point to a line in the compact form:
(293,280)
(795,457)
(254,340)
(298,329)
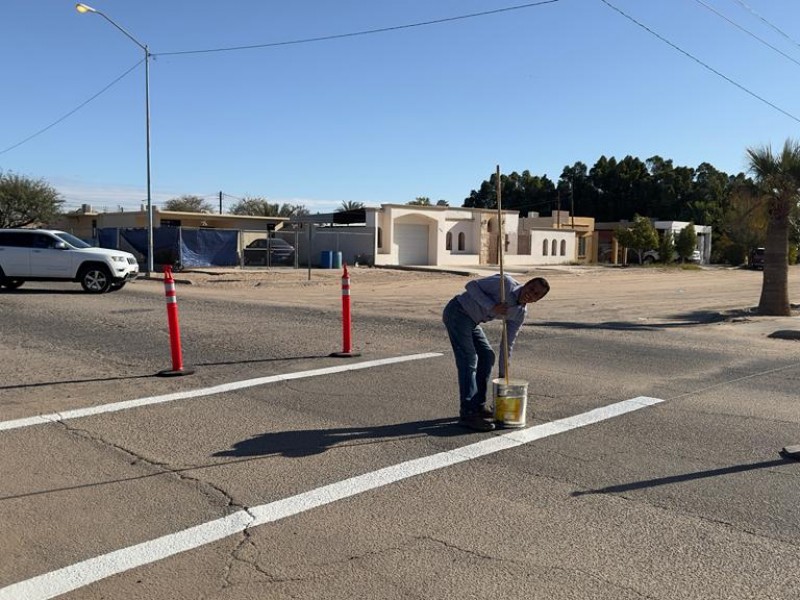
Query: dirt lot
(587,294)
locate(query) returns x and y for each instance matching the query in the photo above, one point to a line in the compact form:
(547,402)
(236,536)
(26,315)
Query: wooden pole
(500,240)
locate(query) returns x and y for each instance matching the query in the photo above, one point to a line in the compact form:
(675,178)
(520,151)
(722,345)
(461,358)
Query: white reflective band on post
(169,287)
(172,300)
(345,292)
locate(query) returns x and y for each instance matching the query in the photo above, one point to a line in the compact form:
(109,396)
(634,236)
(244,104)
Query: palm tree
(778,179)
(349,205)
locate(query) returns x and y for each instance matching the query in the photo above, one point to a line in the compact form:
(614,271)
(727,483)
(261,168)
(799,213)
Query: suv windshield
(72,240)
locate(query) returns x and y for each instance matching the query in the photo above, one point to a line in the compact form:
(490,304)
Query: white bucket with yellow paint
(510,402)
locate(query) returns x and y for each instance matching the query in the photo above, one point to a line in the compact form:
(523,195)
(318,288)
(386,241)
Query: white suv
(48,255)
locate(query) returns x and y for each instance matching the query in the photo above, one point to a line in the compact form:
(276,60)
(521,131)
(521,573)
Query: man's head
(534,290)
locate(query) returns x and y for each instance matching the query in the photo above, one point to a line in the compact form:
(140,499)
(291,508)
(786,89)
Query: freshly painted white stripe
(67,579)
(218,389)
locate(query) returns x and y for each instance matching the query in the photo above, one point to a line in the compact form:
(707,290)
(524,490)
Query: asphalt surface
(684,498)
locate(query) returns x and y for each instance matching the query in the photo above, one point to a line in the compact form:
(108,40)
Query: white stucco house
(443,235)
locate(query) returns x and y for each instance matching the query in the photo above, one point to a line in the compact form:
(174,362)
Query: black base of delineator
(345,354)
(792,452)
(177,372)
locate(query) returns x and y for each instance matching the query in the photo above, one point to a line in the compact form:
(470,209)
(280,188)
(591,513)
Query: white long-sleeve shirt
(480,297)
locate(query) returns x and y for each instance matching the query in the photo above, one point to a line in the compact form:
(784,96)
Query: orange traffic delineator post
(347,323)
(174,328)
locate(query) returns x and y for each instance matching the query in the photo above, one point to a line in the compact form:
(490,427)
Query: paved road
(346,483)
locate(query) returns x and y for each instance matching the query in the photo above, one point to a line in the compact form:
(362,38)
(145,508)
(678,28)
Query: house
(85,222)
(609,250)
(186,238)
(447,236)
(390,234)
(585,238)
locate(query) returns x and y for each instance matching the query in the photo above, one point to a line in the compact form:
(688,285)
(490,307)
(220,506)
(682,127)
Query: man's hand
(500,309)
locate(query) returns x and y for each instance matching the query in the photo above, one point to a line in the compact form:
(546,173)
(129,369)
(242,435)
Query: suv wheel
(6,282)
(11,284)
(96,279)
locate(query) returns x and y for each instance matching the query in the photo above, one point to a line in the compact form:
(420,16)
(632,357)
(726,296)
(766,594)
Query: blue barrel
(337,260)
(326,259)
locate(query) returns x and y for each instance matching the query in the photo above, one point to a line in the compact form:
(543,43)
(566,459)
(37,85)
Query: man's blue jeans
(474,357)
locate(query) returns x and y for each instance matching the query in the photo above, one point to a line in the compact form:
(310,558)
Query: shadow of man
(307,442)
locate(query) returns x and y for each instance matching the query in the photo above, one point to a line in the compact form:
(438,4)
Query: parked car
(756,260)
(51,255)
(653,256)
(281,253)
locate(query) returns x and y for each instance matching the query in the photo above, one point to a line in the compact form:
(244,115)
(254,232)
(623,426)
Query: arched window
(555,247)
(380,237)
(545,246)
(461,241)
(489,226)
(448,244)
(563,247)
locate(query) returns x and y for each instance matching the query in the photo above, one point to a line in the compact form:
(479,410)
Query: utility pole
(558,209)
(572,202)
(220,203)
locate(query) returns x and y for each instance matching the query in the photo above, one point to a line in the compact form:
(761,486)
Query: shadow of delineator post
(792,452)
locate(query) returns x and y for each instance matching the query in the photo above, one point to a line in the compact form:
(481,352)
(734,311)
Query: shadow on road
(692,319)
(316,441)
(155,375)
(40,291)
(648,483)
(71,381)
(688,319)
(258,360)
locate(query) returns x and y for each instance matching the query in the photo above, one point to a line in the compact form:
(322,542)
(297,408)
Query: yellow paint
(508,408)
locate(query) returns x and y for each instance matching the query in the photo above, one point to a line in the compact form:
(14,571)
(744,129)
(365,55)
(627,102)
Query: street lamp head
(84,8)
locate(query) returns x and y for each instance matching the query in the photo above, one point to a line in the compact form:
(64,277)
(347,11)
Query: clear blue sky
(384,117)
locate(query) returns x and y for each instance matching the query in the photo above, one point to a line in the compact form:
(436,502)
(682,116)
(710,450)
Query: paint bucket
(510,402)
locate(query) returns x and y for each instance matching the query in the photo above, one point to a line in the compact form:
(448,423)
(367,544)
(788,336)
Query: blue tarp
(176,246)
(209,247)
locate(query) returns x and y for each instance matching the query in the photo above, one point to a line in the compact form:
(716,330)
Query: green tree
(349,205)
(420,201)
(686,242)
(778,179)
(261,207)
(640,237)
(522,192)
(666,247)
(25,201)
(188,203)
(442,202)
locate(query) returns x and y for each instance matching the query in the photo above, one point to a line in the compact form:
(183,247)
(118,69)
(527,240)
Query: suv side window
(16,239)
(41,240)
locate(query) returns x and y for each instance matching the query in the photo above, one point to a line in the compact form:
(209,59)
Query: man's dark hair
(542,282)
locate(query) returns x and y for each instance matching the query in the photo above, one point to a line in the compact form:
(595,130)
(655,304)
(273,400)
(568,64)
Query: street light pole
(85,8)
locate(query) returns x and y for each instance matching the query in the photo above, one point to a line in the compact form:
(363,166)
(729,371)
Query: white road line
(218,389)
(67,579)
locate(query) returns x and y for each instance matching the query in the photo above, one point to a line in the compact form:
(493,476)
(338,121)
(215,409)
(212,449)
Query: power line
(775,27)
(747,31)
(291,42)
(73,111)
(325,38)
(700,62)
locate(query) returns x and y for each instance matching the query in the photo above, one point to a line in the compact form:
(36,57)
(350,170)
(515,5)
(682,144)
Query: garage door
(412,244)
